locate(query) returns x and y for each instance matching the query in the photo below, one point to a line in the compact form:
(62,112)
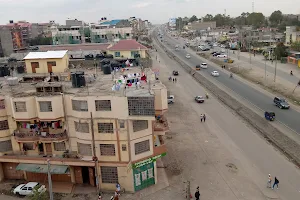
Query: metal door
(143,177)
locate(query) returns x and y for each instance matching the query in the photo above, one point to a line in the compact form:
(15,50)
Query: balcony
(160,126)
(159,146)
(50,136)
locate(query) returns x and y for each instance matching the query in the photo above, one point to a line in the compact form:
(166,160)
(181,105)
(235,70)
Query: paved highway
(289,117)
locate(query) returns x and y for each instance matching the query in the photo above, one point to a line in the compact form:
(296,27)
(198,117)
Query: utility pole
(49,180)
(188,190)
(275,68)
(95,159)
(265,69)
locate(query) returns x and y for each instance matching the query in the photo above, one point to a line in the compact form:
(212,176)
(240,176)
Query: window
(142,147)
(103,105)
(133,53)
(5,146)
(2,104)
(79,105)
(124,147)
(51,63)
(141,106)
(84,149)
(4,125)
(45,106)
(139,125)
(20,106)
(105,128)
(107,150)
(82,127)
(117,54)
(127,34)
(28,146)
(35,64)
(109,174)
(122,123)
(59,146)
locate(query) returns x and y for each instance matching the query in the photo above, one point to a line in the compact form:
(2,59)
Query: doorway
(48,148)
(85,175)
(41,148)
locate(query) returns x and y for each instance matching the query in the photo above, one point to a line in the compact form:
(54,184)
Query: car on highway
(197,67)
(281,103)
(175,73)
(171,99)
(222,56)
(188,56)
(199,99)
(216,53)
(203,65)
(215,73)
(28,188)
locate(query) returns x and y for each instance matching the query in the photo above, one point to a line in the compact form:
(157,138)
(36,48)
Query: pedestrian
(269,181)
(276,182)
(204,117)
(118,187)
(175,80)
(197,194)
(201,117)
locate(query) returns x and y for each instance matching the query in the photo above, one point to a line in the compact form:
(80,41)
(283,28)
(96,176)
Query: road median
(286,145)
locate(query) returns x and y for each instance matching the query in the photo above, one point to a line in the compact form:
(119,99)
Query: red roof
(75,47)
(125,45)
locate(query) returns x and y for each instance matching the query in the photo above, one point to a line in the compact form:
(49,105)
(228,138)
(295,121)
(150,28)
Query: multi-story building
(104,130)
(6,42)
(291,35)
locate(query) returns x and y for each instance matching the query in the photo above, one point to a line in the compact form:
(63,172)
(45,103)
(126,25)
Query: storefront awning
(54,169)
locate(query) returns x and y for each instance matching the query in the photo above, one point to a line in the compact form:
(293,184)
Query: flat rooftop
(98,84)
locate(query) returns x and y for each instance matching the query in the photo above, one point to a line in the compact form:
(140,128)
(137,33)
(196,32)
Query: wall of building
(57,105)
(61,65)
(6,41)
(127,54)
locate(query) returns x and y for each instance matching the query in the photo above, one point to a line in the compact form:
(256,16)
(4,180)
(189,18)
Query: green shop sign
(147,161)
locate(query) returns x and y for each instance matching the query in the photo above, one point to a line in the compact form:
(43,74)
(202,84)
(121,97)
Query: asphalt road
(255,155)
(289,118)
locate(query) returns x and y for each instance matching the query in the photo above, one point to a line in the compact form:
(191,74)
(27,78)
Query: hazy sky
(157,11)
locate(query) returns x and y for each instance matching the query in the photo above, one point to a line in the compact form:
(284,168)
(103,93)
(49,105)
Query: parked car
(175,73)
(27,189)
(203,65)
(215,73)
(216,54)
(222,56)
(188,56)
(171,99)
(281,103)
(198,67)
(199,99)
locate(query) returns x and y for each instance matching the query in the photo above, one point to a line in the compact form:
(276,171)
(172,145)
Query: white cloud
(142,5)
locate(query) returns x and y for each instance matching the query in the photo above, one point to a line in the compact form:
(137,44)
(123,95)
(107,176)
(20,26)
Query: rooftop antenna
(225,12)
(252,6)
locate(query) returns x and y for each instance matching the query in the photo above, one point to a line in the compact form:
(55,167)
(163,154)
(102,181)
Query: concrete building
(47,62)
(6,42)
(198,26)
(291,35)
(111,130)
(127,49)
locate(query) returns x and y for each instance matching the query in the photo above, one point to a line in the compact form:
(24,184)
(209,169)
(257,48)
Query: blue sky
(157,11)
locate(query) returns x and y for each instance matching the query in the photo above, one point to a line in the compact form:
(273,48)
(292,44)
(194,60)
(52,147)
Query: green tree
(280,51)
(193,18)
(276,18)
(179,23)
(256,19)
(208,17)
(39,195)
(220,20)
(40,40)
(295,46)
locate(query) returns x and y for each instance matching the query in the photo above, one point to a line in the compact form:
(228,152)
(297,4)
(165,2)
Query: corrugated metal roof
(54,169)
(127,45)
(46,55)
(111,22)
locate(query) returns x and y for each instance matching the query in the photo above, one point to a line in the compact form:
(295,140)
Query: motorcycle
(231,76)
(291,73)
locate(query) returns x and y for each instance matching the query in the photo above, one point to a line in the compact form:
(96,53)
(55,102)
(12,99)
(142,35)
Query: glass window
(78,105)
(45,106)
(103,105)
(4,125)
(117,54)
(105,128)
(141,147)
(20,106)
(107,150)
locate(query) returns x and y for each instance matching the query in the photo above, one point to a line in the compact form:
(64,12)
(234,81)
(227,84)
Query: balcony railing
(161,125)
(40,136)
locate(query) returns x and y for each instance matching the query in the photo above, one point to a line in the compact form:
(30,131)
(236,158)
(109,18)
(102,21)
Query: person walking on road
(197,194)
(175,80)
(276,182)
(204,117)
(201,117)
(269,181)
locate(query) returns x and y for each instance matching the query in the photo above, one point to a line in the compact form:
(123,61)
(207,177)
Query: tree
(295,46)
(256,19)
(179,23)
(39,195)
(276,18)
(208,17)
(220,20)
(193,18)
(40,40)
(280,51)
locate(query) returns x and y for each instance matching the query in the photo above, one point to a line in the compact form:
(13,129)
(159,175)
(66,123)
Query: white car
(222,56)
(215,73)
(215,45)
(27,189)
(188,56)
(222,46)
(203,65)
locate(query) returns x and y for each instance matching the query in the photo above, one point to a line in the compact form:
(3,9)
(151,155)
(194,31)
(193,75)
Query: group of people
(115,196)
(174,79)
(276,182)
(202,117)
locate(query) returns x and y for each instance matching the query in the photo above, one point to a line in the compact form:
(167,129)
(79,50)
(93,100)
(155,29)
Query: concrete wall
(6,41)
(61,65)
(127,54)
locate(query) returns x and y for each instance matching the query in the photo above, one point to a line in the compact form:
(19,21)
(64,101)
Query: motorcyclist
(291,73)
(170,78)
(206,95)
(231,75)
